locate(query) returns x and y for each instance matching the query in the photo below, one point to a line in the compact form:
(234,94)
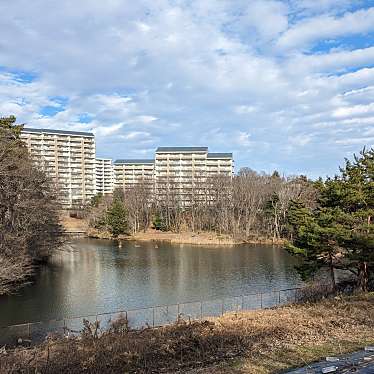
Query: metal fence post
(242,302)
(279,298)
(29,330)
(223,301)
(201,310)
(261,299)
(153,317)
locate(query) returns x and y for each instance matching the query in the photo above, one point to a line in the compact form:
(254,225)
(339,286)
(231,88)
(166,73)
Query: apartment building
(104,176)
(219,164)
(181,173)
(130,172)
(69,158)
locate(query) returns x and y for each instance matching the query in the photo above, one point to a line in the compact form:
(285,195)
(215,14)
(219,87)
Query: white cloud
(329,63)
(233,75)
(300,140)
(243,138)
(362,141)
(145,119)
(323,27)
(357,110)
(107,130)
(132,135)
(244,109)
(268,18)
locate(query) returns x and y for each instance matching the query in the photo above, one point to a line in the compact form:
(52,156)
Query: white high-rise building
(130,172)
(219,164)
(178,173)
(69,158)
(181,173)
(104,176)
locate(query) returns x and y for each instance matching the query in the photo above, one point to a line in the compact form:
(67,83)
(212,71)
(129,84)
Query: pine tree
(339,233)
(116,218)
(9,128)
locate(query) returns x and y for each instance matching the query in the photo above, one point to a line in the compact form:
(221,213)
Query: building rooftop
(135,161)
(219,155)
(181,149)
(62,132)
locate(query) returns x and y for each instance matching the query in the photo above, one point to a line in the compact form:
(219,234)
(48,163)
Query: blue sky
(286,85)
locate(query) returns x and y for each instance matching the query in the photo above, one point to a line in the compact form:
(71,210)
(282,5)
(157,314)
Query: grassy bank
(201,238)
(266,341)
(74,225)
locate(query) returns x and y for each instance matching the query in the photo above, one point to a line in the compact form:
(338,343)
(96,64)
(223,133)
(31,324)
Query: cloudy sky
(286,85)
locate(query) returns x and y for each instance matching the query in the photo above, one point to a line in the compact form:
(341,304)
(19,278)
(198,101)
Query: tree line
(29,228)
(248,206)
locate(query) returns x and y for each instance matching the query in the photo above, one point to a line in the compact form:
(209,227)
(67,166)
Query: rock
(329,369)
(332,359)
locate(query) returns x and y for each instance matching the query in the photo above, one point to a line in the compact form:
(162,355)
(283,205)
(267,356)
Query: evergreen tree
(339,233)
(116,218)
(159,223)
(9,128)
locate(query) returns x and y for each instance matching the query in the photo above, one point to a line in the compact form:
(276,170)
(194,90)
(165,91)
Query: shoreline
(200,238)
(79,228)
(170,237)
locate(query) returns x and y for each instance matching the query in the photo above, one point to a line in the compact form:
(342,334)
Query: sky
(285,85)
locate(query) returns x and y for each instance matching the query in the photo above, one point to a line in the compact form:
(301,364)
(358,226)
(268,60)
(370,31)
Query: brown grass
(266,341)
(187,237)
(71,224)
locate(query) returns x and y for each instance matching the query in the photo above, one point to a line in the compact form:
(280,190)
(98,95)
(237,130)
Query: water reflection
(94,276)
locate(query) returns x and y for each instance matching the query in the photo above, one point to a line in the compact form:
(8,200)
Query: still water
(94,276)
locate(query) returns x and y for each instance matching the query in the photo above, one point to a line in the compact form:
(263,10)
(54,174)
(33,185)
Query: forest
(250,205)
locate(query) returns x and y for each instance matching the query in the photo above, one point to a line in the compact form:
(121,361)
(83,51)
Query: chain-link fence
(155,316)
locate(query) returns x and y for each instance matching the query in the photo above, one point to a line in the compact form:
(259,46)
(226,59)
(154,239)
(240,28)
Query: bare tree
(249,206)
(29,228)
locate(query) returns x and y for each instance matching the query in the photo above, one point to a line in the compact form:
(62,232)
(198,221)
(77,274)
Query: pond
(92,276)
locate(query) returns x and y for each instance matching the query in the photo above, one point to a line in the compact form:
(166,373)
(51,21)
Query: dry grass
(71,224)
(267,341)
(187,237)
